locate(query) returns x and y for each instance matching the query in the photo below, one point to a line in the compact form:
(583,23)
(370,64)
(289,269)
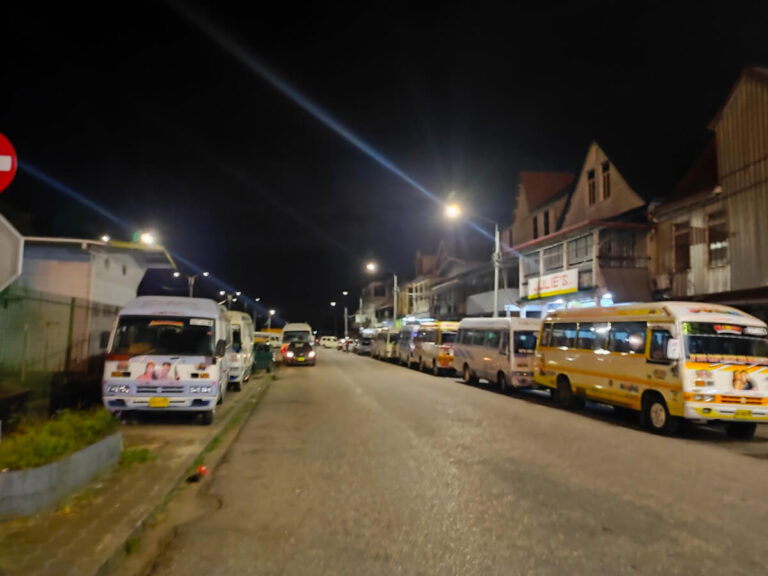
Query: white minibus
(242,348)
(168,353)
(434,346)
(500,350)
(385,344)
(667,360)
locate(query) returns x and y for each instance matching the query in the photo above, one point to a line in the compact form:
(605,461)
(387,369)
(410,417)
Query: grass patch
(132,456)
(35,444)
(131,545)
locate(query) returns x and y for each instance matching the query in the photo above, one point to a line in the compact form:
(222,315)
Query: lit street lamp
(269,319)
(105,238)
(335,324)
(453,211)
(191,280)
(372,267)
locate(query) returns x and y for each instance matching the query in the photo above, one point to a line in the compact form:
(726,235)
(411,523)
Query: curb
(228,432)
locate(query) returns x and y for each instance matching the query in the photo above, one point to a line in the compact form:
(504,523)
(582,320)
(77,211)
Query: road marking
(6,162)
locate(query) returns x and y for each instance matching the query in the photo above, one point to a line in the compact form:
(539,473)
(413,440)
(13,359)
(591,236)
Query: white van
(168,353)
(329,342)
(241,363)
(406,346)
(499,350)
(297,333)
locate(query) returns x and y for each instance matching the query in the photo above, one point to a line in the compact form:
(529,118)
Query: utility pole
(496,267)
(346,332)
(394,297)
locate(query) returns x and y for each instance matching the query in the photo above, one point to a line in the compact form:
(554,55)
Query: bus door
(490,354)
(592,372)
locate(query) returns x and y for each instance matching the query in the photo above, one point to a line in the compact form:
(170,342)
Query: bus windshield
(296,337)
(525,342)
(449,337)
(138,335)
(706,342)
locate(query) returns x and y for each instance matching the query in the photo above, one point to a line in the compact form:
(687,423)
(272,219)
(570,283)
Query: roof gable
(541,187)
(757,73)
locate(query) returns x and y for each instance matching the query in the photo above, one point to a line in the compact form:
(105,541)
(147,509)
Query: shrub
(39,443)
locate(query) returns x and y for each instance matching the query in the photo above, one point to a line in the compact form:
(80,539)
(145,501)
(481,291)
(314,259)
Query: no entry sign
(8,163)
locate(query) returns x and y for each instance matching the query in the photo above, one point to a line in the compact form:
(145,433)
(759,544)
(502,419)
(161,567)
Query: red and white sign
(554,284)
(8,163)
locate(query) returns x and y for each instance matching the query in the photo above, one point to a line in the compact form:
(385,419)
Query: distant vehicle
(406,345)
(274,339)
(434,347)
(328,341)
(500,350)
(263,357)
(241,363)
(365,346)
(168,353)
(668,360)
(385,345)
(299,352)
(296,333)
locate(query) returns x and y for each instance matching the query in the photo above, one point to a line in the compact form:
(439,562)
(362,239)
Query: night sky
(136,108)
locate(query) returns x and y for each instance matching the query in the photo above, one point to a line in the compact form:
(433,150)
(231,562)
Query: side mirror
(221,348)
(673,349)
(103,340)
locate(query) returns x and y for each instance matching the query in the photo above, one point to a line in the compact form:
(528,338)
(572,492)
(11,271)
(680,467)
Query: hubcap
(658,415)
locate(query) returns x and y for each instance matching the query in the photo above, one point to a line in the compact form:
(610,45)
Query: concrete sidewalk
(92,530)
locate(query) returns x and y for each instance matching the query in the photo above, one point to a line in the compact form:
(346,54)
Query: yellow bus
(667,360)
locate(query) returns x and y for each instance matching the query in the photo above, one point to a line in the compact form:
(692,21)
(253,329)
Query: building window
(536,226)
(717,229)
(580,250)
(682,233)
(553,258)
(606,180)
(591,187)
(546,222)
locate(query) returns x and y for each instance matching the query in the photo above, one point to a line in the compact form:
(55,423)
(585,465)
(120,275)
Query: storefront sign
(554,284)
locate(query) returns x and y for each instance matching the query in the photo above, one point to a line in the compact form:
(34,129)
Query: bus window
(478,337)
(525,342)
(493,339)
(546,334)
(504,347)
(563,335)
(587,335)
(659,339)
(628,337)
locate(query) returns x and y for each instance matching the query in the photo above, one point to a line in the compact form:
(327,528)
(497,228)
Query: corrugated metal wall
(742,155)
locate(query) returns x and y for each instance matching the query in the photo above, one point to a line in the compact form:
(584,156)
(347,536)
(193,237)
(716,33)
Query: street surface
(360,467)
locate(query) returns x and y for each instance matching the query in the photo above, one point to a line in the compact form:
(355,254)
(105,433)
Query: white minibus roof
(171,306)
(667,310)
(514,323)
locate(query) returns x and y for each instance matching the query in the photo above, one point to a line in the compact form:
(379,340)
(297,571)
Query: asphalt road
(360,467)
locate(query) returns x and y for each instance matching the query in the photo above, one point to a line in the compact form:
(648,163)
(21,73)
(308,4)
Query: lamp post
(345,293)
(372,267)
(453,211)
(269,318)
(190,279)
(335,323)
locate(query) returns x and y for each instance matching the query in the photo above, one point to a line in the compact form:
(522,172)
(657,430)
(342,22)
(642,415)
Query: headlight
(709,398)
(698,397)
(311,354)
(289,354)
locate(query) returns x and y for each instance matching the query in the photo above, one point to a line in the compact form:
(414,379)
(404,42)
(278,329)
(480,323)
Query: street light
(335,324)
(345,293)
(147,238)
(372,267)
(453,211)
(222,293)
(105,238)
(269,319)
(238,293)
(191,280)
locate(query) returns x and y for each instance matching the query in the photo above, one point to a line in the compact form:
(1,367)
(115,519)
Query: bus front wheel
(468,377)
(501,379)
(741,430)
(655,415)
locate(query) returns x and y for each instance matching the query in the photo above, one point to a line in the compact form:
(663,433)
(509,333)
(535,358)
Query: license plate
(158,402)
(743,414)
(300,359)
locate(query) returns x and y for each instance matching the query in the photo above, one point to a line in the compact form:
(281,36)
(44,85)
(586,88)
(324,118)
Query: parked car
(364,346)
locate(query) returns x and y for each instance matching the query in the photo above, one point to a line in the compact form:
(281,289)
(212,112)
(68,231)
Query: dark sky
(137,109)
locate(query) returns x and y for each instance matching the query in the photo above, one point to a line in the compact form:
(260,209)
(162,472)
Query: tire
(237,386)
(207,417)
(501,380)
(741,430)
(655,415)
(435,369)
(469,378)
(564,395)
(422,368)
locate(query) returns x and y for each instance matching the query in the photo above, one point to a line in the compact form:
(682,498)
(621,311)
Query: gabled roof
(756,73)
(541,187)
(702,176)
